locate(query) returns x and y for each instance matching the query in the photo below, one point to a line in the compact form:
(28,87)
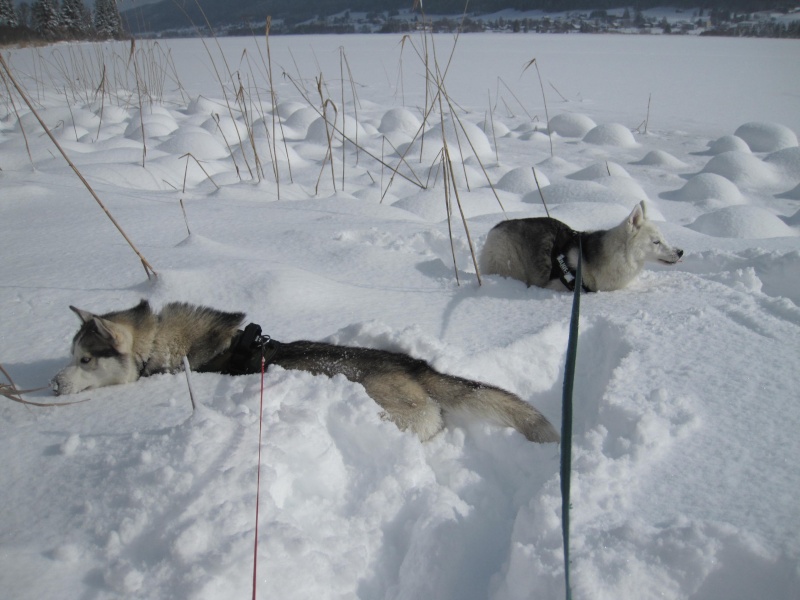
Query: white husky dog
(544,252)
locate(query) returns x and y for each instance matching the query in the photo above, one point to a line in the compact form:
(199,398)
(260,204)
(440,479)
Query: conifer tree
(106,19)
(8,16)
(45,18)
(75,18)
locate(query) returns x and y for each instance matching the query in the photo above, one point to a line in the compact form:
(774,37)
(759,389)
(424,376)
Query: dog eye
(656,242)
(86,360)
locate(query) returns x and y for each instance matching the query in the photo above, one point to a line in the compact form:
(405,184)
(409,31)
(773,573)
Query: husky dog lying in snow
(544,252)
(120,347)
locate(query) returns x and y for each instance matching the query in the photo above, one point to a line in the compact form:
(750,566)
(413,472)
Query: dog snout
(679,252)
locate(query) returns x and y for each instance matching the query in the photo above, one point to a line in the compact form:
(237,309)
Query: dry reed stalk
(454,115)
(187,369)
(541,194)
(251,133)
(272,156)
(12,392)
(242,110)
(439,78)
(199,164)
(271,140)
(416,181)
(344,110)
(171,63)
(646,121)
(400,77)
(448,209)
(464,221)
(329,136)
(139,95)
(356,100)
(216,72)
(436,161)
(16,112)
(147,267)
(544,100)
(71,116)
(557,92)
(491,120)
(508,108)
(101,89)
(275,116)
(183,210)
(305,92)
(215,116)
(513,95)
(383,145)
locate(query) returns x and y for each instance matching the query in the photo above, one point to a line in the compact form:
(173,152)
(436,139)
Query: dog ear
(84,315)
(637,217)
(118,336)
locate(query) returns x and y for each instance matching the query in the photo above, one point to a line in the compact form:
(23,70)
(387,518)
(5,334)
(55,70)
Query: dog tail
(455,394)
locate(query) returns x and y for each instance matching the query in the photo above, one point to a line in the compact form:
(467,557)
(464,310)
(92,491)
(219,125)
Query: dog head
(102,354)
(647,240)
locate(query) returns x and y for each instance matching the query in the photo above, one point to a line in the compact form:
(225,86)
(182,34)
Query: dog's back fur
(527,249)
(120,347)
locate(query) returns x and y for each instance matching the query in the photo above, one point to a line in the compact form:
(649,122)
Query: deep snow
(684,476)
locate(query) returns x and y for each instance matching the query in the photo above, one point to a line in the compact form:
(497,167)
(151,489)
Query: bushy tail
(490,403)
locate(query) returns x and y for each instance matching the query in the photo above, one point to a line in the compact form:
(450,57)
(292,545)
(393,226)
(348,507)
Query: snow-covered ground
(685,478)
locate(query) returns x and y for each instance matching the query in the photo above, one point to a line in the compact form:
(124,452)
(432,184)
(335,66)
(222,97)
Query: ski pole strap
(566,415)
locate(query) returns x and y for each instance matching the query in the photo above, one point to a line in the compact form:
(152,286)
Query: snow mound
(495,128)
(746,222)
(793,194)
(660,158)
(599,171)
(231,129)
(430,206)
(296,126)
(199,142)
(625,186)
(112,114)
(522,181)
(319,130)
(204,106)
(571,125)
(52,117)
(155,125)
(787,161)
(727,143)
(793,220)
(611,134)
(742,169)
(399,120)
(578,191)
(766,137)
(708,186)
(556,165)
(478,142)
(583,216)
(286,109)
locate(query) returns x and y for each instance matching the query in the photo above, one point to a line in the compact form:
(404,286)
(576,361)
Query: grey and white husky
(544,252)
(120,347)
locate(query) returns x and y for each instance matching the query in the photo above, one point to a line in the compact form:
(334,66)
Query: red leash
(258,477)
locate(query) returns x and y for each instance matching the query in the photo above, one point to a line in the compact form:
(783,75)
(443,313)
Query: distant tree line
(49,21)
(179,14)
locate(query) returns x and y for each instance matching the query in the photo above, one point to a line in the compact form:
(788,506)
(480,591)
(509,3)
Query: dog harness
(244,354)
(565,241)
(247,350)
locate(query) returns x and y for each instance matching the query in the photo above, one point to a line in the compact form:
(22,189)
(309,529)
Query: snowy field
(685,477)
